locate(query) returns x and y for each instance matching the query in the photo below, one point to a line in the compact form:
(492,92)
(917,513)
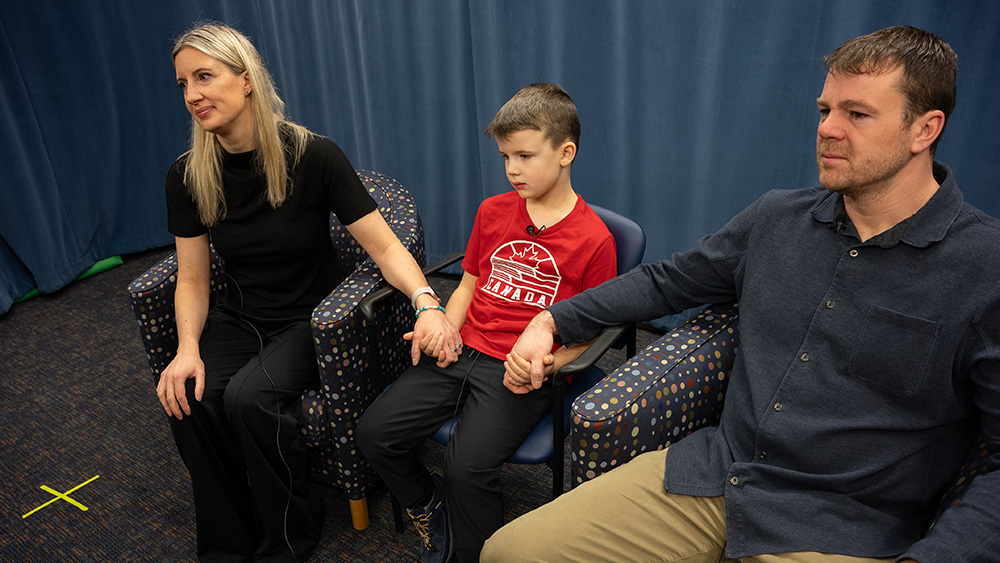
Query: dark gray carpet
(77,402)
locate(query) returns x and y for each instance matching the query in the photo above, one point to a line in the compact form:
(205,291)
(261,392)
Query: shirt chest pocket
(893,350)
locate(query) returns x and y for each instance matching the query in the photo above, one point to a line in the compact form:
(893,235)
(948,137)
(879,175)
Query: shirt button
(830,304)
(778,407)
(734,480)
(804,357)
(763,455)
(853,253)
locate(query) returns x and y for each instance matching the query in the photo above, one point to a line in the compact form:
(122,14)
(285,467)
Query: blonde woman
(261,189)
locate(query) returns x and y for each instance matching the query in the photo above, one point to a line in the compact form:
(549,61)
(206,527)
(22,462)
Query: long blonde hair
(203,173)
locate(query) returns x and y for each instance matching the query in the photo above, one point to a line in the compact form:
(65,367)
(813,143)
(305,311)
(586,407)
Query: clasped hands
(435,336)
(530,362)
(528,365)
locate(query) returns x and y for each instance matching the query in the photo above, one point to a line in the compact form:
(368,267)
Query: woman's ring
(456,348)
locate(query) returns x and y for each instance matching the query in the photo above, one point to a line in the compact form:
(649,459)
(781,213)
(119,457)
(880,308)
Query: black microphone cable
(277,409)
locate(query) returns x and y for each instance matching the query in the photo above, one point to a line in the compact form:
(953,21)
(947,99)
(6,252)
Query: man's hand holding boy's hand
(527,363)
(517,378)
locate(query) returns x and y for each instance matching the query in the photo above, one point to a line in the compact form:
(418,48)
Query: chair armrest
(399,211)
(975,464)
(365,288)
(158,277)
(344,330)
(592,354)
(368,304)
(152,299)
(443,263)
(356,350)
(346,342)
(358,286)
(673,387)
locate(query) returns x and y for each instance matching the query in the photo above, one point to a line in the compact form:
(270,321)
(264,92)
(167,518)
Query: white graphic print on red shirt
(524,272)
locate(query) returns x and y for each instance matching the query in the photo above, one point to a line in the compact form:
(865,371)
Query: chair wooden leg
(359,513)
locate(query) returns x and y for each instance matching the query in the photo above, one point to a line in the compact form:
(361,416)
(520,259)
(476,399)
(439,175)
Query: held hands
(530,361)
(172,389)
(517,377)
(435,336)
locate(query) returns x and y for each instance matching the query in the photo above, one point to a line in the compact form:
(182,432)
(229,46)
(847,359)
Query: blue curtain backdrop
(690,110)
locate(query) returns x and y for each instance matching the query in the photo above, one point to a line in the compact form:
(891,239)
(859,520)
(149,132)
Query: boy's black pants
(493,423)
(240,443)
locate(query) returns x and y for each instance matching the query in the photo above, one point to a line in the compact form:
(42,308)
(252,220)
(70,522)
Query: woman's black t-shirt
(280,262)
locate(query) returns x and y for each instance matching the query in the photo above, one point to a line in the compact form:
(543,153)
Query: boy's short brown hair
(542,107)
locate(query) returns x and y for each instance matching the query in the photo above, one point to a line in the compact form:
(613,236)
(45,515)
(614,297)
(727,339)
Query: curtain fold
(689,110)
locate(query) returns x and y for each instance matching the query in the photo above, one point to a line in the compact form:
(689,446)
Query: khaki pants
(627,516)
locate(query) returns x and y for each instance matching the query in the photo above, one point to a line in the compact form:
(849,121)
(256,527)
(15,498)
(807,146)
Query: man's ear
(568,153)
(928,127)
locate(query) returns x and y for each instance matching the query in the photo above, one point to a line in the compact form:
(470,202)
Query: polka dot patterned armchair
(356,358)
(672,388)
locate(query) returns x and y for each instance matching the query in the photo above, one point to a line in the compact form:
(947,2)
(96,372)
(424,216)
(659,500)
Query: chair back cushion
(630,240)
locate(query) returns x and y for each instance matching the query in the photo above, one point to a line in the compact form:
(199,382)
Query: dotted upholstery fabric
(347,349)
(665,392)
(674,387)
(974,465)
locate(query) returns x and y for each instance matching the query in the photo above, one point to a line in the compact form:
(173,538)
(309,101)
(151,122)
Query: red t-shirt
(520,273)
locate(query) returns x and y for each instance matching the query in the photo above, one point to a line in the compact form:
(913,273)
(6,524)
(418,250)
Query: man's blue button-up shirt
(865,371)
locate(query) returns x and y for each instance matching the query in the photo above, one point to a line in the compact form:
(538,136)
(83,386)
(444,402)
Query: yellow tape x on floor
(62,496)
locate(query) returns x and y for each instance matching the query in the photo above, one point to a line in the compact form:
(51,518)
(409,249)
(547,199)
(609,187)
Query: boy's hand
(532,347)
(517,376)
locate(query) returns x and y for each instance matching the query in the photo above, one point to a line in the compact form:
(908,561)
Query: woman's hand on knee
(172,388)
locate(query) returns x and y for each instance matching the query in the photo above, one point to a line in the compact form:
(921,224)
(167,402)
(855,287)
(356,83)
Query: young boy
(529,248)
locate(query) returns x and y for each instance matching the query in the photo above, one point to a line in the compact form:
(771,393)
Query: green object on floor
(97,268)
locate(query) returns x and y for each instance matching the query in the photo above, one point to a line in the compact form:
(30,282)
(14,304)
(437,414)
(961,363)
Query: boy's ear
(568,153)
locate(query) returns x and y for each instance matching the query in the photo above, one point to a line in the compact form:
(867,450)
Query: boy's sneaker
(432,525)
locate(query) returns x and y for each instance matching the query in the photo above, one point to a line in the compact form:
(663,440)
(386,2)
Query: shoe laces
(422,523)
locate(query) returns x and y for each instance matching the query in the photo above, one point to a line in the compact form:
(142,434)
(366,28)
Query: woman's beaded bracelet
(422,309)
